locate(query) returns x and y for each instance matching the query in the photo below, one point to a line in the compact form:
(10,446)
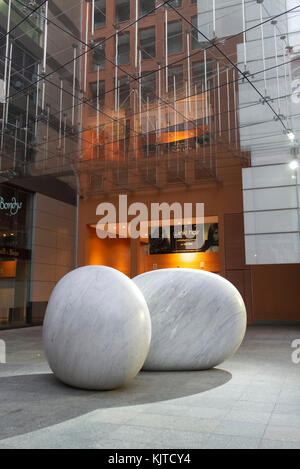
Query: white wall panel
(268,176)
(273,249)
(53,245)
(277,221)
(270,157)
(270,199)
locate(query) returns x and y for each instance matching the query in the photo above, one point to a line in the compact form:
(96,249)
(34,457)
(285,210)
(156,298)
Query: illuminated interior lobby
(169,130)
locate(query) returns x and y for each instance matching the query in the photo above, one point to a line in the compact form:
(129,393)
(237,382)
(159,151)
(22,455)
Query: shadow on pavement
(32,402)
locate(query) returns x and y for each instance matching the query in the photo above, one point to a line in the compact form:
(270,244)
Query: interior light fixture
(291,136)
(294,164)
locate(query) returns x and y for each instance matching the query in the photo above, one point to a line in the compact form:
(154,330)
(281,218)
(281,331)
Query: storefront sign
(12,207)
(183,241)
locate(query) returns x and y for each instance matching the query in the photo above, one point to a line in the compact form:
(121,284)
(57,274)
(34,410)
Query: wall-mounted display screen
(171,240)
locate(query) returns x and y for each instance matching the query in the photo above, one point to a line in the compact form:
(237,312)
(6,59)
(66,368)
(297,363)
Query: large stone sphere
(198,319)
(97,329)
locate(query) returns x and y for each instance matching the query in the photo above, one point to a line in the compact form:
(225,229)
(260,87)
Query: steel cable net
(121,95)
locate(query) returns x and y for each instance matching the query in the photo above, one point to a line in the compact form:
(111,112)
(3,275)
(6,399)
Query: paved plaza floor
(250,401)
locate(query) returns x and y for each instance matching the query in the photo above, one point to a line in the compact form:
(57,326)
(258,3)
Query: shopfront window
(15,256)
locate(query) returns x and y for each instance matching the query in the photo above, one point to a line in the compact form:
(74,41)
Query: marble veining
(198,319)
(97,329)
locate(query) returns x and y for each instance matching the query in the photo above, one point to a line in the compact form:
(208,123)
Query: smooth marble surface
(97,329)
(198,319)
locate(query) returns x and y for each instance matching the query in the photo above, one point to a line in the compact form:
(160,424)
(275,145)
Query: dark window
(22,70)
(93,87)
(122,176)
(146,6)
(148,87)
(198,71)
(176,72)
(124,48)
(99,55)
(147,43)
(174,37)
(176,3)
(148,175)
(197,41)
(97,181)
(122,10)
(100,13)
(23,73)
(176,170)
(124,92)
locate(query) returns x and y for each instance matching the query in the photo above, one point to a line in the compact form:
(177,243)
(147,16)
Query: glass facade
(143,98)
(15,255)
